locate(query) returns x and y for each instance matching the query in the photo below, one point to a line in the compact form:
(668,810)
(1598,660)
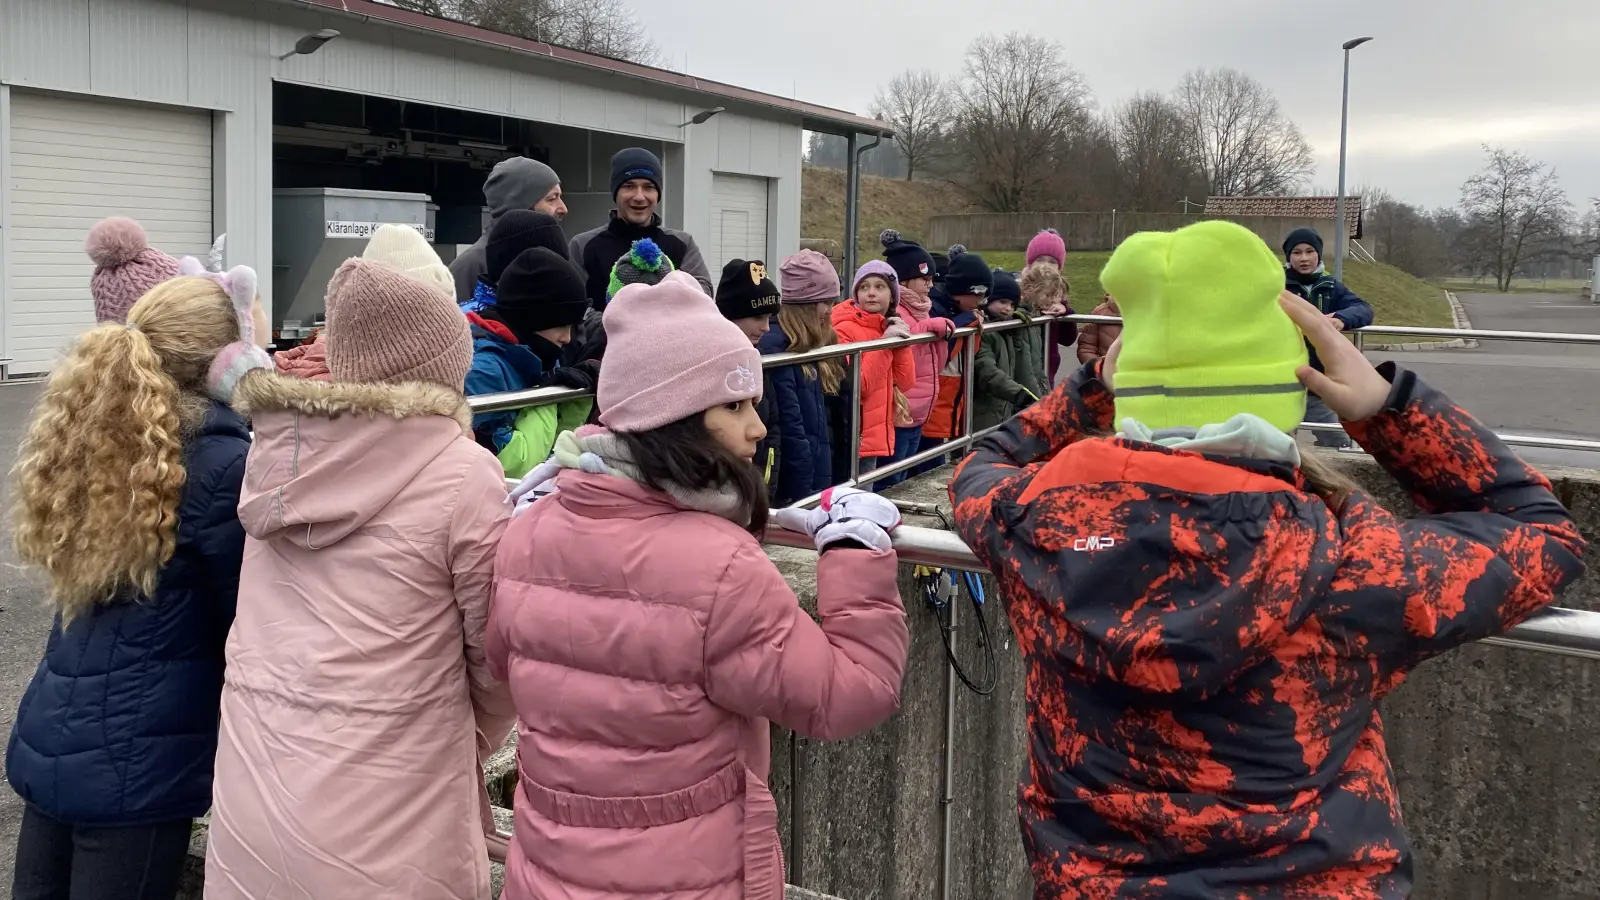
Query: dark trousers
(57,861)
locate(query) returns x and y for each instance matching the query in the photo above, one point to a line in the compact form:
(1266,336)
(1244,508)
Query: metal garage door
(73,162)
(738,221)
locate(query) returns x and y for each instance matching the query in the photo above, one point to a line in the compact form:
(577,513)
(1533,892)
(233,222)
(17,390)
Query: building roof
(813,117)
(1289,207)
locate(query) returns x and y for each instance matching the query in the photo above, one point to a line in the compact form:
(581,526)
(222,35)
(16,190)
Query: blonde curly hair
(1042,284)
(100,472)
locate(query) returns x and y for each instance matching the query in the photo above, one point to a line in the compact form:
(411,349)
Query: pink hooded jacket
(358,707)
(916,310)
(647,646)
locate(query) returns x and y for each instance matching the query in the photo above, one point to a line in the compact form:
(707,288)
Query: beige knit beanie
(387,327)
(404,249)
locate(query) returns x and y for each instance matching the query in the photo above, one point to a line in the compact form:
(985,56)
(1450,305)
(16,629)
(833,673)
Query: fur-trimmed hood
(329,456)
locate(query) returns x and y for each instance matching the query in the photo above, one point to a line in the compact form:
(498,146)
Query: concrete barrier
(1494,751)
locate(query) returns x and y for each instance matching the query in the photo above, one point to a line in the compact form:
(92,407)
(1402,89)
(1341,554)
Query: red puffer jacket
(881,372)
(1207,639)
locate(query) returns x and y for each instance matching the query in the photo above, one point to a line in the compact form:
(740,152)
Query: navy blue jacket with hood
(119,726)
(498,365)
(805,455)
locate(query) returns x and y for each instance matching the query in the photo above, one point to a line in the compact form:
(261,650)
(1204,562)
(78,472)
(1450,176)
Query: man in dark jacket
(749,299)
(515,183)
(636,189)
(1307,276)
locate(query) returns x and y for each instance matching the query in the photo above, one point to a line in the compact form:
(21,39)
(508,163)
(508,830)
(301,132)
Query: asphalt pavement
(1548,390)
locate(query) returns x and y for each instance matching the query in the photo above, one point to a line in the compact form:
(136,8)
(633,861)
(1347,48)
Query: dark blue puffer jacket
(119,725)
(805,454)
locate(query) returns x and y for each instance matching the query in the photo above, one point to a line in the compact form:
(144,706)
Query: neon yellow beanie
(1203,337)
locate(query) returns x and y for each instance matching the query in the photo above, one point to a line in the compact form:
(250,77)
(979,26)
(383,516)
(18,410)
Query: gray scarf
(599,452)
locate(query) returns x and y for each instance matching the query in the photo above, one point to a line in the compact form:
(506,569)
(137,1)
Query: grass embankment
(1396,297)
(905,206)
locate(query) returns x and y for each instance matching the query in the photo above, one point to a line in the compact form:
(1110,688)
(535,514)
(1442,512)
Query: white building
(187,115)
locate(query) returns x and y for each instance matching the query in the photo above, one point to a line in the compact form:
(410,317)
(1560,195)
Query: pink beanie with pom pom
(1047,243)
(125,267)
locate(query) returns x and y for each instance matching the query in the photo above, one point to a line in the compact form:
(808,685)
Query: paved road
(1546,390)
(1540,389)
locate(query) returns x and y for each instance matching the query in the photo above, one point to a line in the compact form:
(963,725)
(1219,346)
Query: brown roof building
(1289,207)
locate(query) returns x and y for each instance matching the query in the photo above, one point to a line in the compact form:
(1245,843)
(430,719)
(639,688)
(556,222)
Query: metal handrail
(1569,632)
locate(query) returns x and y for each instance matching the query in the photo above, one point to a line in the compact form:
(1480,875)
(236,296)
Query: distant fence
(1092,230)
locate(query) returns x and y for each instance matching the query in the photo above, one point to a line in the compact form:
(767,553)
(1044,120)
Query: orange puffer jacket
(881,372)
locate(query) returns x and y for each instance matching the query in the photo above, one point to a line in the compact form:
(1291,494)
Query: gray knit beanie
(517,183)
(385,327)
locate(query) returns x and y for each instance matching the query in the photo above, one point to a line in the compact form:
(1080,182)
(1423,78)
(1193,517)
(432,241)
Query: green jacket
(534,434)
(1008,363)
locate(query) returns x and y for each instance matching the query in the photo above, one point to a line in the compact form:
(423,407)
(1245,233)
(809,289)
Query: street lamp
(1342,229)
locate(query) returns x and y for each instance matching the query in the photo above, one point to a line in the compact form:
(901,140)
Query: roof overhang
(812,117)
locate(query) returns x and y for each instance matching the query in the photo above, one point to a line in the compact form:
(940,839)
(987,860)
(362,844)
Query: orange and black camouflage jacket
(1207,642)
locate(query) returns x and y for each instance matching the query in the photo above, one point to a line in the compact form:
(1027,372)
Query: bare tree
(1244,143)
(1155,162)
(914,102)
(1019,112)
(604,27)
(1516,213)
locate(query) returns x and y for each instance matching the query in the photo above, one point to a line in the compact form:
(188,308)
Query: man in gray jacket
(515,183)
(636,189)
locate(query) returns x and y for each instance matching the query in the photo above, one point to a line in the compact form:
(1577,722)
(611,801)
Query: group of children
(309,606)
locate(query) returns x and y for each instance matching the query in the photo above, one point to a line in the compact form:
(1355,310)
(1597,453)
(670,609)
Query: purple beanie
(125,267)
(883,270)
(1047,243)
(669,355)
(808,277)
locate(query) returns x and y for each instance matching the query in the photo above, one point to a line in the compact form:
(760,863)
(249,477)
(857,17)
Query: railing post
(855,415)
(969,358)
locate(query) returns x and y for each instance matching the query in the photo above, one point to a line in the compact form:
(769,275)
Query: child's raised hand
(1351,387)
(1108,365)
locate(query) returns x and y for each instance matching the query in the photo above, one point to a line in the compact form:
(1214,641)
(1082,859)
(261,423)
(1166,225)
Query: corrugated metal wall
(220,55)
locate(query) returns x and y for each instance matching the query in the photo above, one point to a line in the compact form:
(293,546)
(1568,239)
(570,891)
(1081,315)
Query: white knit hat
(404,249)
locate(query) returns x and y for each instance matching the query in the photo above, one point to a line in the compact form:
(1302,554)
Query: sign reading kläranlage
(366,229)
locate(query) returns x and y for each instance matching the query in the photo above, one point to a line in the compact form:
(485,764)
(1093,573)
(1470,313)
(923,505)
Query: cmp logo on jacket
(1093,542)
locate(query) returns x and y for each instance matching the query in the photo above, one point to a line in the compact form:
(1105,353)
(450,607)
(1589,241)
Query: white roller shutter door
(75,161)
(738,221)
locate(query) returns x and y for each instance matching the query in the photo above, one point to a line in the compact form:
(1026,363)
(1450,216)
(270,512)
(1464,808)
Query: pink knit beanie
(808,277)
(671,354)
(1047,243)
(125,267)
(384,327)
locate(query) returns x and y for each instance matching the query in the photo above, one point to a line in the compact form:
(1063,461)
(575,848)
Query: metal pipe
(948,804)
(852,206)
(969,358)
(855,416)
(1341,228)
(1514,440)
(1570,632)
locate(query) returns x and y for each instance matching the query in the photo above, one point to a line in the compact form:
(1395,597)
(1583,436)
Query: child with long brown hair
(809,287)
(127,487)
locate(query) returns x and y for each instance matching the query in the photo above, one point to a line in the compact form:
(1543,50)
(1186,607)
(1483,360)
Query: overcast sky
(1440,79)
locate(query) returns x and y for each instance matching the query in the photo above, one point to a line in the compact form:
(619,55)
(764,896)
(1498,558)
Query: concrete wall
(1091,230)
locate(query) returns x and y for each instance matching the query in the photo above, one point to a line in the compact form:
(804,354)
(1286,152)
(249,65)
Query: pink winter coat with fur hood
(358,706)
(917,312)
(647,646)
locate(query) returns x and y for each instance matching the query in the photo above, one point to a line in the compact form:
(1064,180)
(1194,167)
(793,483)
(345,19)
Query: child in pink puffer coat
(914,266)
(647,638)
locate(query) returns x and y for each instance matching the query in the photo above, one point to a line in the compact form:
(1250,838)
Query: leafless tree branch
(917,104)
(1244,143)
(604,27)
(1516,214)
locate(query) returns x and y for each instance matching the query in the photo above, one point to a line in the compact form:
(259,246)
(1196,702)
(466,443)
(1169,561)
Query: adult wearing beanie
(748,298)
(372,520)
(1306,276)
(959,298)
(1220,583)
(517,183)
(636,188)
(517,346)
(126,267)
(807,400)
(516,231)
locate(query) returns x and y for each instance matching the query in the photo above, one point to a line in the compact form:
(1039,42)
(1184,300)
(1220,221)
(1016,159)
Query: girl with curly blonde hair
(127,486)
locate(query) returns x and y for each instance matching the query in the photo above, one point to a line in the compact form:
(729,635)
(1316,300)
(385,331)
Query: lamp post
(1342,229)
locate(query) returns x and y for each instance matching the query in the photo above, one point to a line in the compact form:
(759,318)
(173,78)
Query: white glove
(541,482)
(844,514)
(896,328)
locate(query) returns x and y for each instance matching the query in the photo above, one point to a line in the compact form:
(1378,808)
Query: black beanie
(907,258)
(1303,236)
(968,274)
(745,291)
(539,290)
(519,230)
(635,162)
(1005,287)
